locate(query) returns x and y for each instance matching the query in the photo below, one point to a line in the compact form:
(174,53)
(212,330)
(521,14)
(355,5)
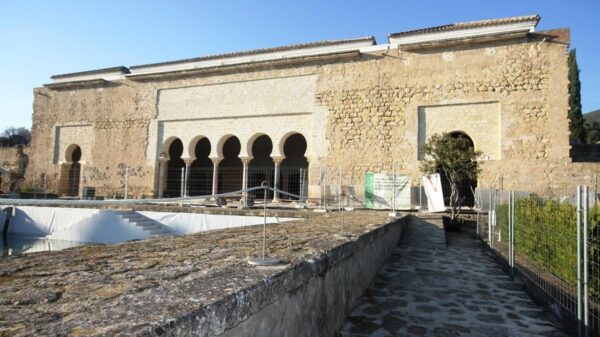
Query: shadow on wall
(585,153)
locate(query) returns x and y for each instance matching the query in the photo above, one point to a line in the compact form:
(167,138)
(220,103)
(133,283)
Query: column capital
(277,159)
(163,157)
(188,161)
(216,160)
(246,160)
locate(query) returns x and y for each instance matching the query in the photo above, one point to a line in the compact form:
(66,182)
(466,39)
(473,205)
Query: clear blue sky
(42,38)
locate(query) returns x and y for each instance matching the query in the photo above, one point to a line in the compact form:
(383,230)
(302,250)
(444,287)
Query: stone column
(81,180)
(188,163)
(162,175)
(215,181)
(245,162)
(277,162)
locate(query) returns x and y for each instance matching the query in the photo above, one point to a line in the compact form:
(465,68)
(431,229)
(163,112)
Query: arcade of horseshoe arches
(286,114)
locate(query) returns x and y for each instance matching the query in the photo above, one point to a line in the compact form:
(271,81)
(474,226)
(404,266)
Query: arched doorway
(261,167)
(294,167)
(74,175)
(466,188)
(231,167)
(175,167)
(201,170)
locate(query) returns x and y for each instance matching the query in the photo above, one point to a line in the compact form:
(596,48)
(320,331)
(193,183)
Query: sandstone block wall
(364,114)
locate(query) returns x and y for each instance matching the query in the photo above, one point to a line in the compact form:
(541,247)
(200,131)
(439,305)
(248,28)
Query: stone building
(287,114)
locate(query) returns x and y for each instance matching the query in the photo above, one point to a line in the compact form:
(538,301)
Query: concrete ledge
(200,285)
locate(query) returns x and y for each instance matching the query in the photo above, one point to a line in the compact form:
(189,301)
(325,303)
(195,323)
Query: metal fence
(552,244)
(195,181)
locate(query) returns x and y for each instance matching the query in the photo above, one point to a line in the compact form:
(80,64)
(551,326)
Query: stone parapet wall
(200,285)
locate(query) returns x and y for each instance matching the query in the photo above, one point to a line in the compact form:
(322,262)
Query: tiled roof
(123,70)
(467,25)
(264,50)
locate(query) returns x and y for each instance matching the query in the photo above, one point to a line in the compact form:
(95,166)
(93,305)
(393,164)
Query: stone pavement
(429,289)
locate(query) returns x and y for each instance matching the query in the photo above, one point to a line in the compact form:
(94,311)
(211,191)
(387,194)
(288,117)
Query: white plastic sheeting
(74,224)
(105,226)
(187,223)
(19,244)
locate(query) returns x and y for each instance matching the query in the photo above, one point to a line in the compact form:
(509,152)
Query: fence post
(126,183)
(420,195)
(585,261)
(302,185)
(394,188)
(351,197)
(579,285)
(514,205)
(509,230)
(490,220)
(322,188)
(340,189)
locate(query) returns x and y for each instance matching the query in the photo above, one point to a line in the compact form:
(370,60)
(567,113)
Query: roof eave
(244,66)
(462,41)
(497,30)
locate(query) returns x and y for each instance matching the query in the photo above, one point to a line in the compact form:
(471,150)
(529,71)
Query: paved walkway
(428,289)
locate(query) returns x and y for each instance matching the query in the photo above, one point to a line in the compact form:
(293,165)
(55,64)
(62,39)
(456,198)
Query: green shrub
(546,232)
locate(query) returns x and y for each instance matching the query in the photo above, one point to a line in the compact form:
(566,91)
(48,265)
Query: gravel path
(429,289)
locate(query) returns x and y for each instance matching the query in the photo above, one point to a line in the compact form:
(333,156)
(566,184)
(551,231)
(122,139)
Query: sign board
(380,192)
(433,190)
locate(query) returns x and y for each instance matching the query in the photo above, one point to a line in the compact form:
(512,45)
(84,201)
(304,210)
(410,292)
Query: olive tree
(455,157)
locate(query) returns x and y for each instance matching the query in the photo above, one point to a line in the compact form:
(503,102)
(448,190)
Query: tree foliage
(576,122)
(454,157)
(15,136)
(592,132)
(546,233)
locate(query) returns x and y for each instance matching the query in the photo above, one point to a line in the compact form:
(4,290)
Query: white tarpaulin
(74,224)
(187,223)
(433,190)
(105,226)
(381,190)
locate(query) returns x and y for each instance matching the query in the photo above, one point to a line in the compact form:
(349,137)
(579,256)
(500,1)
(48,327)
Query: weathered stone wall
(374,119)
(109,123)
(363,113)
(14,160)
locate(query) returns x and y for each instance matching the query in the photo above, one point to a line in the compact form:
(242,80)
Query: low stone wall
(200,285)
